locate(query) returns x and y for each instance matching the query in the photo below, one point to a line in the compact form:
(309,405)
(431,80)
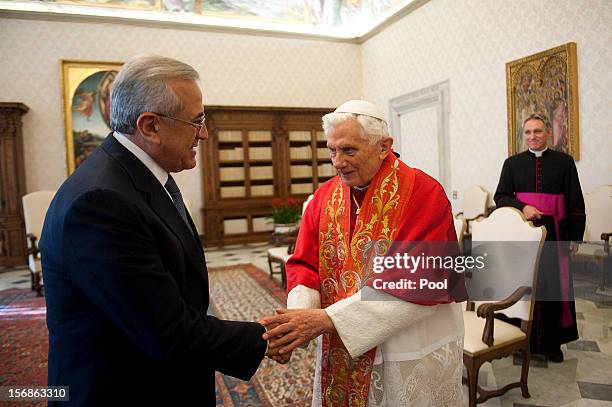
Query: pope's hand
(291,328)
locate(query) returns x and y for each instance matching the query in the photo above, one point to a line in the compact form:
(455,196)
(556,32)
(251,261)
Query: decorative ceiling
(325,18)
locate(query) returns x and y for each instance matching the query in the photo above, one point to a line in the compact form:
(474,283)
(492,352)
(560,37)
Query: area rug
(23,341)
(241,292)
(245,293)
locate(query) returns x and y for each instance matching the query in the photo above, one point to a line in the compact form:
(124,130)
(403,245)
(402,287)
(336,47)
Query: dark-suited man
(125,275)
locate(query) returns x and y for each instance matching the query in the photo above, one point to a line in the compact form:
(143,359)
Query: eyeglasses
(198,126)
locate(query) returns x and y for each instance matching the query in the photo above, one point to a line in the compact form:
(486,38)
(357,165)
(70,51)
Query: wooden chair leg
(602,275)
(33,280)
(39,286)
(525,372)
(472,382)
(270,265)
(283,276)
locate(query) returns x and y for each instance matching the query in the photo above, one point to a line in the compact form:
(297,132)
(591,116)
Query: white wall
(236,69)
(468,42)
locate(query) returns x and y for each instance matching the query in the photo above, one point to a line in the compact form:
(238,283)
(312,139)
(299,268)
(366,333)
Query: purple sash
(554,205)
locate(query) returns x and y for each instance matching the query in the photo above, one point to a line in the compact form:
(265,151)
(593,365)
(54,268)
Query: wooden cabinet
(12,185)
(252,156)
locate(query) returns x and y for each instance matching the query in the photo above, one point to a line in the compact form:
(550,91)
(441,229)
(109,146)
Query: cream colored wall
(468,42)
(236,69)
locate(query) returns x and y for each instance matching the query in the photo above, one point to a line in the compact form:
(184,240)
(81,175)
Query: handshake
(291,328)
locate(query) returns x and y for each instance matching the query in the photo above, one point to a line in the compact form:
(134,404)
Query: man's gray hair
(373,129)
(540,117)
(142,86)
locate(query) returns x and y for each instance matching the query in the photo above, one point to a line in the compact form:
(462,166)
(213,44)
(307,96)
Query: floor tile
(595,391)
(590,346)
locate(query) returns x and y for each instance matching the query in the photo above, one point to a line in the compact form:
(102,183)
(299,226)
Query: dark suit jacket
(127,292)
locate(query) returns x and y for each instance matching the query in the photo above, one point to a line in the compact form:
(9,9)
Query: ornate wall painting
(545,83)
(270,10)
(86,89)
(126,4)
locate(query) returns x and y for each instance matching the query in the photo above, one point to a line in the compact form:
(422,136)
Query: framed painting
(86,89)
(545,83)
(125,4)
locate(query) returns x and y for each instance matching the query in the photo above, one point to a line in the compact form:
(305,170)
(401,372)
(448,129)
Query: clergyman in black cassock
(548,178)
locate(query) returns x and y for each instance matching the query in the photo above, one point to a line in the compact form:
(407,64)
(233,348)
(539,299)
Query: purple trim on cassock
(554,205)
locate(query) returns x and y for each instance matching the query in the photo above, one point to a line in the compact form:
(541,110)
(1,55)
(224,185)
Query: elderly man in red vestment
(393,346)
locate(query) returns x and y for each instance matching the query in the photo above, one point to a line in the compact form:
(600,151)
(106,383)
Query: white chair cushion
(503,333)
(474,202)
(598,206)
(279,253)
(591,250)
(35,206)
(34,264)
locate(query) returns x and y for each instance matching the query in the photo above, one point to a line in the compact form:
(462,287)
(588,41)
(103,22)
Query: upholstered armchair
(512,246)
(597,233)
(475,199)
(281,254)
(35,206)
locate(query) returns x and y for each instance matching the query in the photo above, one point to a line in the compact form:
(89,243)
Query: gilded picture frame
(86,90)
(545,83)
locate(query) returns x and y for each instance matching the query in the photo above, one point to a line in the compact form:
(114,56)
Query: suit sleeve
(113,258)
(504,195)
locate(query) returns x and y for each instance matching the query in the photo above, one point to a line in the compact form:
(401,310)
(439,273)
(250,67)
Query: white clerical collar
(158,172)
(538,153)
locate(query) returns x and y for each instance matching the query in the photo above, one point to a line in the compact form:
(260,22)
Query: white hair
(372,129)
(142,86)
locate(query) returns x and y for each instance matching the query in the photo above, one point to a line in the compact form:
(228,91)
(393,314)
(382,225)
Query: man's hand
(272,352)
(531,212)
(291,328)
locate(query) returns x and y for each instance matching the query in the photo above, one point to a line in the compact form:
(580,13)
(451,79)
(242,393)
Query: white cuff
(303,297)
(381,314)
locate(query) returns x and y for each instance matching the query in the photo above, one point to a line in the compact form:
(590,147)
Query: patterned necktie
(177,198)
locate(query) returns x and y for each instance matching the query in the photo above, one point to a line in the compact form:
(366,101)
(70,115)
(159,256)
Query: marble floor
(584,379)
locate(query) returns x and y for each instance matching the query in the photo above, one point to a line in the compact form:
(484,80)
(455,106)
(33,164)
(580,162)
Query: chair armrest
(606,238)
(291,242)
(488,311)
(32,246)
(480,215)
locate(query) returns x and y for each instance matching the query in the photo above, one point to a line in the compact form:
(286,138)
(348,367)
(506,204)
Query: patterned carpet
(241,292)
(23,340)
(246,293)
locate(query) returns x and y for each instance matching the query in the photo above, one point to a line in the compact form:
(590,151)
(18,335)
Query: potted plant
(286,214)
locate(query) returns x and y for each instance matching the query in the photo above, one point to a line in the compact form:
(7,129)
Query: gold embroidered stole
(345,265)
